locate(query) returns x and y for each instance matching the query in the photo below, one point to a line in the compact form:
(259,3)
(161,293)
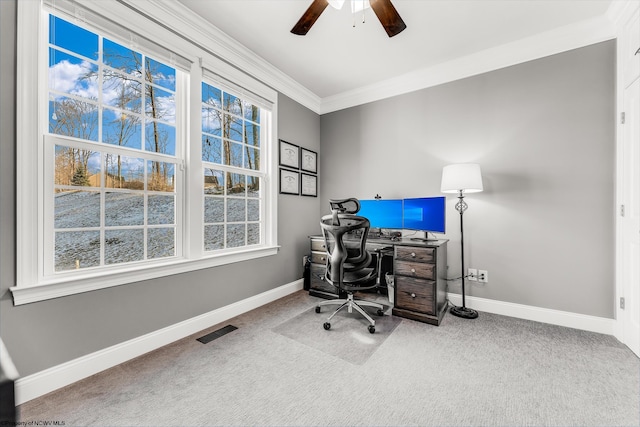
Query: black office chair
(349,264)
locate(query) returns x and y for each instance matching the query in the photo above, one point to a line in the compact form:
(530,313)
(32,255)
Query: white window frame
(32,124)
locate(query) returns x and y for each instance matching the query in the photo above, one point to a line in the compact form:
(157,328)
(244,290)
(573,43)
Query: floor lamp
(461,179)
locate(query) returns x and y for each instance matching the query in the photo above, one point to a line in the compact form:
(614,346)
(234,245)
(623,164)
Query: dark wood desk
(419,269)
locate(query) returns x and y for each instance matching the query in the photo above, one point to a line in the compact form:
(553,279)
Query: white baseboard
(51,379)
(554,317)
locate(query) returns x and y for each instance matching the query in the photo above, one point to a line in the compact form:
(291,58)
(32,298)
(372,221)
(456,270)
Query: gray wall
(44,334)
(544,135)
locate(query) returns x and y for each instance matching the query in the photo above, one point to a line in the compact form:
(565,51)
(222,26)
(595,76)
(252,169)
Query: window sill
(64,286)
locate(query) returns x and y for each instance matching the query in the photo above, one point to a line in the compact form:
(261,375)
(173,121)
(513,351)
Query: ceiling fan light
(359,5)
(336,4)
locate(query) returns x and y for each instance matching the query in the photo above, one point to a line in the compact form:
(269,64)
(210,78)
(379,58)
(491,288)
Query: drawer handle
(413,270)
(323,247)
(413,254)
(322,258)
(413,295)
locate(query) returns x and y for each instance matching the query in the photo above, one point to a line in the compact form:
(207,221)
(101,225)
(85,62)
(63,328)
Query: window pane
(252,158)
(77,209)
(161,176)
(121,129)
(236,184)
(211,121)
(213,237)
(76,249)
(232,153)
(160,104)
(123,209)
(253,234)
(71,117)
(252,135)
(236,235)
(253,210)
(236,210)
(251,112)
(161,243)
(213,181)
(119,90)
(213,209)
(211,149)
(161,210)
(211,96)
(160,138)
(123,246)
(253,187)
(124,172)
(232,128)
(71,74)
(122,58)
(73,38)
(232,104)
(160,74)
(70,167)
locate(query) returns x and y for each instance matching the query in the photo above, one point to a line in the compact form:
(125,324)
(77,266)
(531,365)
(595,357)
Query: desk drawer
(415,269)
(319,258)
(318,245)
(410,253)
(415,294)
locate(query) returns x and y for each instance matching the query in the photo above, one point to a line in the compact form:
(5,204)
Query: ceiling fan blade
(309,17)
(388,16)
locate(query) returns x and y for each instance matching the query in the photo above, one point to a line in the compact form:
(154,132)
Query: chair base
(350,304)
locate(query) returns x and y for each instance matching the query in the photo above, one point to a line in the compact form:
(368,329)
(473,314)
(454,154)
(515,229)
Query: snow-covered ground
(81,209)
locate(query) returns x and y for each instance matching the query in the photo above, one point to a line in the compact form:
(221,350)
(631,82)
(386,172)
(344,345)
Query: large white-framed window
(134,161)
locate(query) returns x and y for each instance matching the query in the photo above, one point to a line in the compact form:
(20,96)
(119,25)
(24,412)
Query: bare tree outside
(128,102)
(231,137)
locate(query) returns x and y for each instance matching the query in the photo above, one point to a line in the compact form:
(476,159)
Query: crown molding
(559,40)
(182,21)
(173,15)
(621,10)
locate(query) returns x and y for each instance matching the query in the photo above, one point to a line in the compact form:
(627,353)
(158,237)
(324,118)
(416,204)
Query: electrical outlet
(483,276)
(472,274)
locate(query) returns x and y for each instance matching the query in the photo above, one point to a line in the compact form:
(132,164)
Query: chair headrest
(349,206)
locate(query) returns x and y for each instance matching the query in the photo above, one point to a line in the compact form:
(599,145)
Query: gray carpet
(349,339)
(492,371)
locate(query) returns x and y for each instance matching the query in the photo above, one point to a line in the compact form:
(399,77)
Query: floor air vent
(217,334)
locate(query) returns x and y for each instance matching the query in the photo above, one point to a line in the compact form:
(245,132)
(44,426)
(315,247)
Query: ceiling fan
(384,10)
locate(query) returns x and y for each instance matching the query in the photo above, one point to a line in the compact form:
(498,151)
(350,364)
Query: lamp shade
(465,177)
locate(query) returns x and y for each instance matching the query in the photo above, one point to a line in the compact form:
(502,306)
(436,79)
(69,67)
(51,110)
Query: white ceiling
(336,58)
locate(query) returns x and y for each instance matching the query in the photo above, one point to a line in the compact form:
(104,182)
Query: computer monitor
(424,214)
(382,213)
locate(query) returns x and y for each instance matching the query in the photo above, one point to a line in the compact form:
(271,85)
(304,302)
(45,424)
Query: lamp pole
(463,311)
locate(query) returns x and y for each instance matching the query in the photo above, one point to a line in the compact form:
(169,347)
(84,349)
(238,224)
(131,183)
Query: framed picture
(289,182)
(309,161)
(309,185)
(289,155)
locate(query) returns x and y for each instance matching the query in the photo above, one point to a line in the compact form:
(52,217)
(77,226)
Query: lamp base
(464,312)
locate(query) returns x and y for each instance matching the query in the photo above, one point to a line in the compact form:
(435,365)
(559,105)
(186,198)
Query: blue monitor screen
(427,214)
(382,213)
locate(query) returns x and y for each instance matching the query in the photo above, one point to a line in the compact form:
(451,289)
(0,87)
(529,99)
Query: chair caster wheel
(372,329)
(380,312)
(317,309)
(327,326)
